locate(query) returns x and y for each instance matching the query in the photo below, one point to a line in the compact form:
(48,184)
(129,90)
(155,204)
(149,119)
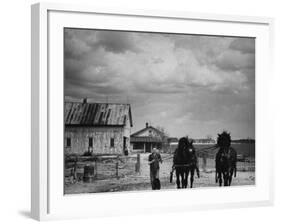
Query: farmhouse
(146,139)
(101,128)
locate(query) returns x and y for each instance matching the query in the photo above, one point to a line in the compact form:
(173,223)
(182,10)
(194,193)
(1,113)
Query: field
(129,180)
(248,150)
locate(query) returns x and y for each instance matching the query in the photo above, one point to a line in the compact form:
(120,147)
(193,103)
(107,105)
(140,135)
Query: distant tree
(163,130)
(164,137)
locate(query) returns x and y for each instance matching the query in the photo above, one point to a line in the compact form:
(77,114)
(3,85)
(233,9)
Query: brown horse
(226,159)
(185,162)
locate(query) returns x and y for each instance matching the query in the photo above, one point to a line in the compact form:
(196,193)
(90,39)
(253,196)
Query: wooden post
(204,162)
(117,161)
(138,163)
(96,167)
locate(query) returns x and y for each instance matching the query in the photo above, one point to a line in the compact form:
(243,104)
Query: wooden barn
(146,139)
(102,128)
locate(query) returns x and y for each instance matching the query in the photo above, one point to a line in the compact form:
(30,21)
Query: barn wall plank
(101,139)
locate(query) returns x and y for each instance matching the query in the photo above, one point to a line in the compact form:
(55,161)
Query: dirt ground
(141,181)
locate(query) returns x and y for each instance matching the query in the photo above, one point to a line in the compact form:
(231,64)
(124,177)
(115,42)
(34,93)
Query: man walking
(153,160)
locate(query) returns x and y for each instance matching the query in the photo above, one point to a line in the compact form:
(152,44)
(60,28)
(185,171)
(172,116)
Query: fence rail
(104,166)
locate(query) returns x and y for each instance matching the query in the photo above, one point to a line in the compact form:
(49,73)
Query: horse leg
(197,171)
(187,174)
(216,177)
(178,178)
(220,179)
(182,178)
(225,178)
(191,177)
(230,177)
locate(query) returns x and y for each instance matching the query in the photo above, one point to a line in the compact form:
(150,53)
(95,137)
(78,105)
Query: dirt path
(141,181)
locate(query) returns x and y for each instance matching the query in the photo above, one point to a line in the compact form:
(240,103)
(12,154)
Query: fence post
(96,167)
(204,162)
(138,163)
(117,166)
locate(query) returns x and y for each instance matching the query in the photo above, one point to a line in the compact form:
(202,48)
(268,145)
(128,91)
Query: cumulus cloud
(235,60)
(191,79)
(117,42)
(244,45)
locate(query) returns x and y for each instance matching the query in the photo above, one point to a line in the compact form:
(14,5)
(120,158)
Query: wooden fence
(103,166)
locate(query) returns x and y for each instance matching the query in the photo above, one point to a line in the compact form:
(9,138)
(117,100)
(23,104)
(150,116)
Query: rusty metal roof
(97,114)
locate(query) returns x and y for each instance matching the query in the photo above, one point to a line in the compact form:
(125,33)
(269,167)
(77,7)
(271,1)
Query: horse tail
(197,171)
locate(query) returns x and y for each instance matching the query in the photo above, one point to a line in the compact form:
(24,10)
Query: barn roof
(97,114)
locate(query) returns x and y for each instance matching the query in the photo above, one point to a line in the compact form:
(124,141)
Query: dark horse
(226,159)
(185,162)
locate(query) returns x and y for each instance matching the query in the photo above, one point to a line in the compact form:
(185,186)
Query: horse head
(190,152)
(190,146)
(182,145)
(224,140)
(180,153)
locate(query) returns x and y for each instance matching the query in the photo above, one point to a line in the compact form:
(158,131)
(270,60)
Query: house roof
(146,128)
(144,139)
(97,114)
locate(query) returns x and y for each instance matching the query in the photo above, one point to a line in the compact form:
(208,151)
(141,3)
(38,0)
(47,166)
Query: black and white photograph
(150,111)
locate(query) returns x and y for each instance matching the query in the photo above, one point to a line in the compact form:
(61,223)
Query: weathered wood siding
(101,139)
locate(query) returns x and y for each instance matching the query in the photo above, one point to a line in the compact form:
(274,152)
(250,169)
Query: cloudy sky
(189,84)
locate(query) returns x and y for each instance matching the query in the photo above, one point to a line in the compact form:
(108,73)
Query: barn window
(68,142)
(90,142)
(112,142)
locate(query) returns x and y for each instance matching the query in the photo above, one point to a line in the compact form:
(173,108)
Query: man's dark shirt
(157,158)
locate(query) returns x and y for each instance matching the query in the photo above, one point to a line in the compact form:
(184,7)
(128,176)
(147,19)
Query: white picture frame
(48,200)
